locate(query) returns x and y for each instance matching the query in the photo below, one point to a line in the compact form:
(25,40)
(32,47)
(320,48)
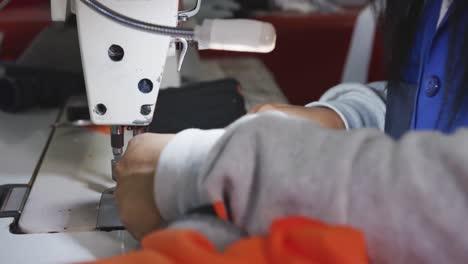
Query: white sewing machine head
(124,66)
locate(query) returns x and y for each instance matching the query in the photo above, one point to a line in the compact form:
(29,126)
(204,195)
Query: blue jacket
(424,80)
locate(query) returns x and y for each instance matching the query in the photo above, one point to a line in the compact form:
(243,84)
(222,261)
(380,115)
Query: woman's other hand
(326,117)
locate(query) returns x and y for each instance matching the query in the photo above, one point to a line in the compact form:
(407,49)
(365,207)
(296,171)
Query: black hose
(128,21)
(23,87)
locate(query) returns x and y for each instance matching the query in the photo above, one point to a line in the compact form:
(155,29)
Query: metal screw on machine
(100,109)
(145,86)
(145,110)
(116,52)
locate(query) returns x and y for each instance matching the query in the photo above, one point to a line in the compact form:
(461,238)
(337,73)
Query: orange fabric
(300,240)
(100,129)
(221,211)
(292,240)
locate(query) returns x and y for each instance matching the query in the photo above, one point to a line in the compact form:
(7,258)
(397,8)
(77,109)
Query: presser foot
(108,213)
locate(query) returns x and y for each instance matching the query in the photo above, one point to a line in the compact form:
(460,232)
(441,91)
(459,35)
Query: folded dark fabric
(203,105)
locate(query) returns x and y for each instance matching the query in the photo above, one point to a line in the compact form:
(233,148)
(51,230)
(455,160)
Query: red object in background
(15,3)
(20,22)
(310,53)
(308,59)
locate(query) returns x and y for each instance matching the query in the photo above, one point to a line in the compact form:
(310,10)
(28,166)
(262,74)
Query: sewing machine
(130,49)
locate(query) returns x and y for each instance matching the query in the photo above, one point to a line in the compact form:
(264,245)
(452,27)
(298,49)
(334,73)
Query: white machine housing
(112,87)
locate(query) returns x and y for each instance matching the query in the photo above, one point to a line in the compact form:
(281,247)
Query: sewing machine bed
(22,140)
(67,190)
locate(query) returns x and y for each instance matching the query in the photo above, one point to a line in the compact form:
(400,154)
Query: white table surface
(22,140)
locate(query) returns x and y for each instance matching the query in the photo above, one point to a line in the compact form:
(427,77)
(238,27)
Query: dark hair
(400,22)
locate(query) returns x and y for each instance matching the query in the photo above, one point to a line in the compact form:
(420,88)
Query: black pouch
(204,105)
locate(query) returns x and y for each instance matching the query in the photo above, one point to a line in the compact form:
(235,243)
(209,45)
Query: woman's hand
(324,116)
(135,188)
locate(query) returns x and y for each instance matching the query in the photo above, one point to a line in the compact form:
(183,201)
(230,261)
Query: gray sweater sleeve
(358,105)
(410,198)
